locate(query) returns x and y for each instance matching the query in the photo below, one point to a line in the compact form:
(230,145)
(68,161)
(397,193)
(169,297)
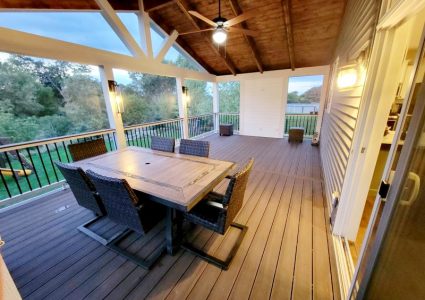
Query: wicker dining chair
(162,143)
(87,149)
(124,207)
(217,212)
(191,147)
(86,196)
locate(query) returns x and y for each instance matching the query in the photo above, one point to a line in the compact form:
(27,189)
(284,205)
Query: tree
(229,96)
(313,94)
(293,97)
(84,105)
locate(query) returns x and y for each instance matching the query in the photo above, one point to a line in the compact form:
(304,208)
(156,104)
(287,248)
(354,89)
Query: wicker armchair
(162,144)
(217,212)
(191,147)
(124,207)
(86,196)
(87,149)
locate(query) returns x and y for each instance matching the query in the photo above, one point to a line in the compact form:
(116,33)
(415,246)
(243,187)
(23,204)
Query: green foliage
(229,95)
(42,98)
(312,95)
(200,94)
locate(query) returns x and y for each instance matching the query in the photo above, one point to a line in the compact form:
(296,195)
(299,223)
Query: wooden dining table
(175,180)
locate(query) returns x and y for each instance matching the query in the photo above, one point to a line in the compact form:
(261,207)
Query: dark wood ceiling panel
(315,28)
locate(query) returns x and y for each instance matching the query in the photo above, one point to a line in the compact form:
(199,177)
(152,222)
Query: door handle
(417,184)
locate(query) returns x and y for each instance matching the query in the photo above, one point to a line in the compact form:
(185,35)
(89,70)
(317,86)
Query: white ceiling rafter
(145,30)
(166,45)
(118,26)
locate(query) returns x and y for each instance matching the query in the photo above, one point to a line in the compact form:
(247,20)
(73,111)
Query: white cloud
(4,56)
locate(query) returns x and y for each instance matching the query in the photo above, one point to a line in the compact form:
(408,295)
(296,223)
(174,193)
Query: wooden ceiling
(291,33)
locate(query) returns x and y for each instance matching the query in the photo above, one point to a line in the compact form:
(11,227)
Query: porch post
(182,103)
(115,120)
(216,106)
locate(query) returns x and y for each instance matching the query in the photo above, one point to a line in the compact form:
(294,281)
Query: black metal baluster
(57,152)
(109,141)
(126,137)
(42,163)
(23,169)
(13,173)
(66,151)
(33,165)
(51,162)
(115,140)
(5,184)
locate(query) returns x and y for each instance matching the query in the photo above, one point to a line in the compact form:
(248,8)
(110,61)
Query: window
(43,98)
(229,96)
(147,98)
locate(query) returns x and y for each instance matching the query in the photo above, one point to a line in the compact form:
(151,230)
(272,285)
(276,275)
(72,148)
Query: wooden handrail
(17,146)
(152,123)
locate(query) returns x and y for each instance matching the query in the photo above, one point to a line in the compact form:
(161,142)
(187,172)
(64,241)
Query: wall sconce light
(347,78)
(115,93)
(186,96)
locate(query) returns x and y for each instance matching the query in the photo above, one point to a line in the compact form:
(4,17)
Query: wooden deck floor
(285,254)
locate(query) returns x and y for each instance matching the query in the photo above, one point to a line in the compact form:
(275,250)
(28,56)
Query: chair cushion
(207,215)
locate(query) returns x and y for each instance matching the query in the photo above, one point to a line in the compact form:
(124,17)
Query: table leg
(173,235)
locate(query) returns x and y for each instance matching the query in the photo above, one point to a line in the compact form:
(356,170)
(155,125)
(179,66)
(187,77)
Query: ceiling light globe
(219,36)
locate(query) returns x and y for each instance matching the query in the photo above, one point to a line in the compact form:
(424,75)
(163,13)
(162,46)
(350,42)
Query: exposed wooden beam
(236,9)
(117,25)
(184,7)
(161,23)
(166,45)
(152,5)
(289,35)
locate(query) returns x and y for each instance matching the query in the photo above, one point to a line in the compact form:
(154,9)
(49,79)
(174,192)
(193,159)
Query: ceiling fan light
(219,36)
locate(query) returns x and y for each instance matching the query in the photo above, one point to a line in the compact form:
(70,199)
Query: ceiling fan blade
(244,31)
(201,17)
(246,15)
(197,31)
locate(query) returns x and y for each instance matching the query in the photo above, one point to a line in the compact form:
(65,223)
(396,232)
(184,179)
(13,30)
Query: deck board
(286,253)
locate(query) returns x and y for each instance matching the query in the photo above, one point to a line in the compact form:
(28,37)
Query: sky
(301,84)
(86,28)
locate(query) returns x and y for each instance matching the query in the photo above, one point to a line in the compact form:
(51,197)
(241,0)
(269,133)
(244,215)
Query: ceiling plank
(184,7)
(161,23)
(289,34)
(236,9)
(152,5)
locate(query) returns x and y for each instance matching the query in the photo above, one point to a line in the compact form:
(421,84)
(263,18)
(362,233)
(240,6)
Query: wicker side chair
(87,149)
(124,207)
(162,144)
(198,148)
(217,212)
(86,196)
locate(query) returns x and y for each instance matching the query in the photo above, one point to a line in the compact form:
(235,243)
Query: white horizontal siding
(339,121)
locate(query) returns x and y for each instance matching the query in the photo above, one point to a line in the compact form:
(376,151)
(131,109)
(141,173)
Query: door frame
(413,135)
(390,159)
(368,133)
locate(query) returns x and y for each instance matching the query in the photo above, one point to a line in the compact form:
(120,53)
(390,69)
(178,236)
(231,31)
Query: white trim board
(14,41)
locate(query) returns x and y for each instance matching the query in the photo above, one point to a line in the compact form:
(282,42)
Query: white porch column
(216,106)
(182,103)
(115,120)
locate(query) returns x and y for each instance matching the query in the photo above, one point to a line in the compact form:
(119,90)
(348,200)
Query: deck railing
(140,135)
(200,125)
(229,118)
(29,166)
(301,120)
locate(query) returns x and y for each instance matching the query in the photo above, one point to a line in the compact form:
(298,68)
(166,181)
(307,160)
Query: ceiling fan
(221,26)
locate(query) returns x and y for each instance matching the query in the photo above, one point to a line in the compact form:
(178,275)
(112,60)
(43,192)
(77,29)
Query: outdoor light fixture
(115,93)
(186,97)
(347,78)
(220,35)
